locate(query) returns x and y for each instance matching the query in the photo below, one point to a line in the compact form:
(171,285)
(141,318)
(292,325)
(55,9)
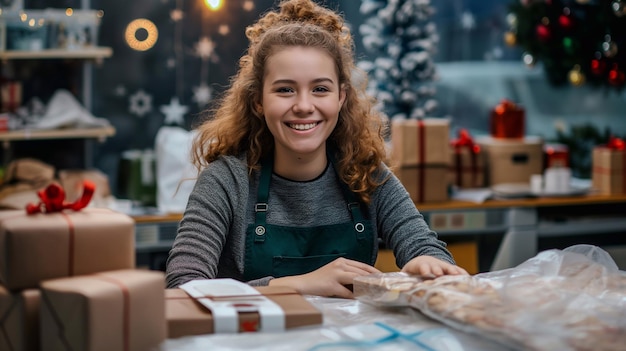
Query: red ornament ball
(565,22)
(543,32)
(598,67)
(616,77)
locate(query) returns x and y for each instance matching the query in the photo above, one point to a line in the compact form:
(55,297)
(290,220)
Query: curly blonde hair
(235,127)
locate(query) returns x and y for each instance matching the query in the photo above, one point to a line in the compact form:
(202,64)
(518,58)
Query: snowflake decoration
(140,103)
(205,48)
(202,94)
(170,63)
(174,112)
(176,15)
(119,90)
(468,21)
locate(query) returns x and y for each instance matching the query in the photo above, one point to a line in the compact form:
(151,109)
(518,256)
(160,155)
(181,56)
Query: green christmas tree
(401,39)
(577,41)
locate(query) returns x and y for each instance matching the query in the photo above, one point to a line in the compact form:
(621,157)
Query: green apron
(278,251)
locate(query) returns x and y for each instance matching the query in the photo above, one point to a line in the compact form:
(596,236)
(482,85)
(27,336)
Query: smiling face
(301,102)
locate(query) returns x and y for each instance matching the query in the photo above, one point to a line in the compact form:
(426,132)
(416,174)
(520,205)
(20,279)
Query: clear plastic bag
(572,299)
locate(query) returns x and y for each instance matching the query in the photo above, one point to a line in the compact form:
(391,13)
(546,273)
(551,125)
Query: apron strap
(260,208)
(354,206)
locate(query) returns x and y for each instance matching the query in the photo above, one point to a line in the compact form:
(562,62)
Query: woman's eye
(321,89)
(284,90)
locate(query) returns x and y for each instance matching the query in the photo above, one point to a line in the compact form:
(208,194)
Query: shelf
(29,134)
(95,53)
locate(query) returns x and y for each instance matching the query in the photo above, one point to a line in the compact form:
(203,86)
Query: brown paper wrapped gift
(609,168)
(52,245)
(467,168)
(19,320)
(185,316)
(422,141)
(119,310)
(425,183)
(512,160)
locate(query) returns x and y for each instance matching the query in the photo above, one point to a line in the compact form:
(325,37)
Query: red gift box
(507,120)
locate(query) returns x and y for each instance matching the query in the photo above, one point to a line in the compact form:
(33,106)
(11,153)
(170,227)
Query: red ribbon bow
(505,105)
(616,144)
(465,139)
(53,199)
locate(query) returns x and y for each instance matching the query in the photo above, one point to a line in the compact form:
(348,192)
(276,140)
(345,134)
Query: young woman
(293,189)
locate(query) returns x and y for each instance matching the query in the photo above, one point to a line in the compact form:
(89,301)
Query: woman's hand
(329,280)
(430,266)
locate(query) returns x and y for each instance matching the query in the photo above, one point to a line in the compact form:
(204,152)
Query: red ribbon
(421,160)
(53,199)
(505,105)
(616,144)
(465,140)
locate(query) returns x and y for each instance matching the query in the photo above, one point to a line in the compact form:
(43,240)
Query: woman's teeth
(306,126)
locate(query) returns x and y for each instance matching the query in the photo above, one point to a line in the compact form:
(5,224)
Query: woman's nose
(303,104)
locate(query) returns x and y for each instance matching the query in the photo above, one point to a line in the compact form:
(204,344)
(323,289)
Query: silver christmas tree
(401,40)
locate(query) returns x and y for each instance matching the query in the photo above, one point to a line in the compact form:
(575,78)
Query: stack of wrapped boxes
(420,157)
(512,157)
(68,281)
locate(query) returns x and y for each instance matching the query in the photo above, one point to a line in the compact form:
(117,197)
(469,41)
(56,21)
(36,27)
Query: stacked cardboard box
(420,157)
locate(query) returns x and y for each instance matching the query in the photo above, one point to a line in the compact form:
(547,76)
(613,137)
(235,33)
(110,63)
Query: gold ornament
(510,38)
(576,77)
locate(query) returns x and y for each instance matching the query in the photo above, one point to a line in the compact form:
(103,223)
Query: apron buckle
(260,207)
(259,230)
(359,227)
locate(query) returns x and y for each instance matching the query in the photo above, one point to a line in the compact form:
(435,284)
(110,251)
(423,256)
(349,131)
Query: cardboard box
(512,160)
(609,170)
(467,168)
(37,247)
(423,141)
(185,316)
(19,320)
(115,310)
(425,183)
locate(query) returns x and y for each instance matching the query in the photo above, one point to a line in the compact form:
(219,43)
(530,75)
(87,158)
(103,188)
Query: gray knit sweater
(211,237)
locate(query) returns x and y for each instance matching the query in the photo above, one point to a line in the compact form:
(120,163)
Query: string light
(214,5)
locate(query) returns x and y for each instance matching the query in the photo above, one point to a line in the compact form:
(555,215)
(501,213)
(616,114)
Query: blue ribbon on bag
(394,334)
